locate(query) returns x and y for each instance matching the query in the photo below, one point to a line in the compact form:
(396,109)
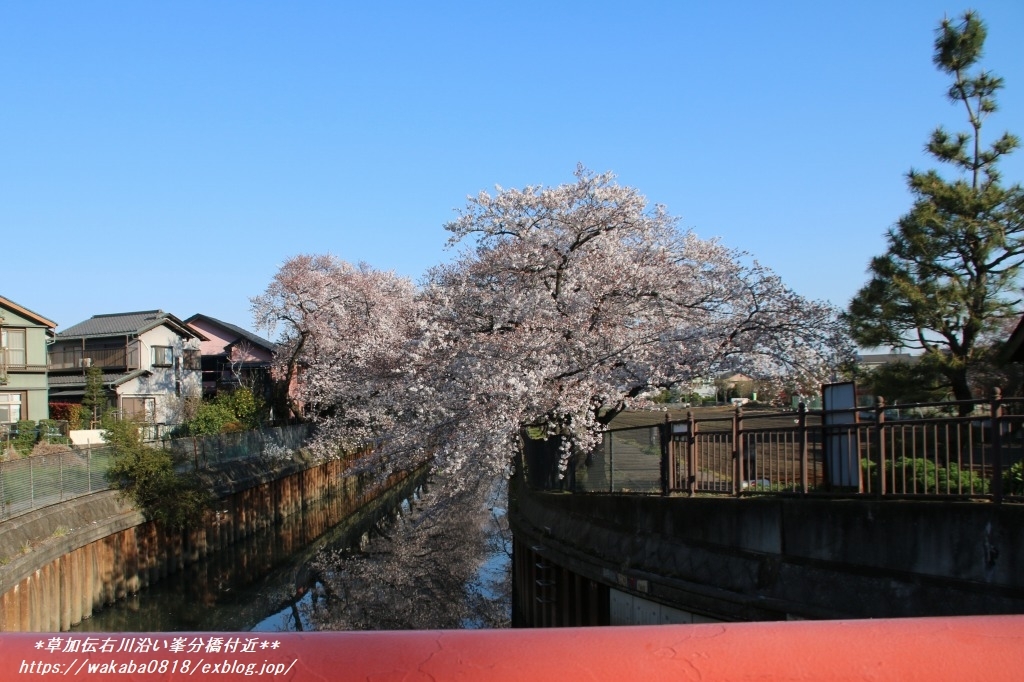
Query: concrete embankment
(674,559)
(60,563)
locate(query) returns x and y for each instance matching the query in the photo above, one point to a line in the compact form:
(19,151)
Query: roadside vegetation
(228,412)
(151,478)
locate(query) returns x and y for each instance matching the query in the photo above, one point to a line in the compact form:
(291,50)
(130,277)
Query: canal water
(263,583)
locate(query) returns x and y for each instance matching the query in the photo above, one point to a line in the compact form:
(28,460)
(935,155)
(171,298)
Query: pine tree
(950,274)
(94,398)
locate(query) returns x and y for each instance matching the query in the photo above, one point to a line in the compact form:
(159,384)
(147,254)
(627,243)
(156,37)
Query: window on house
(13,343)
(139,408)
(163,356)
(10,408)
(193,359)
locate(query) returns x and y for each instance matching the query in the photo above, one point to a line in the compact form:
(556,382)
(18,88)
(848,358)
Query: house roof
(127,324)
(1014,348)
(25,312)
(73,385)
(873,359)
(235,329)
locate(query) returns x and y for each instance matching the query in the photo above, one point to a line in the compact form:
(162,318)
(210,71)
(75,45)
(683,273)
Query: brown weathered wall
(61,562)
(775,558)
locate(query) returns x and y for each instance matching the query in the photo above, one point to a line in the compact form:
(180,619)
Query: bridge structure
(735,516)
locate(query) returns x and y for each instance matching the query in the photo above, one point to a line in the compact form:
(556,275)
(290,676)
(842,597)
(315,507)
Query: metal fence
(208,451)
(957,450)
(32,482)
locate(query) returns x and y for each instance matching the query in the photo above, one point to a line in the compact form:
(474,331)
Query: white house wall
(162,383)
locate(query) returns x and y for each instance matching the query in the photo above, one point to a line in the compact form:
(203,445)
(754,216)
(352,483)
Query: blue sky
(173,155)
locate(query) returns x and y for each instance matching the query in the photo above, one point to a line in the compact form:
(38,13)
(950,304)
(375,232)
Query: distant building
(870,361)
(1014,348)
(24,336)
(150,362)
(232,356)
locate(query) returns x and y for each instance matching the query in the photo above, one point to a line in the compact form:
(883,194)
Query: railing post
(668,458)
(611,462)
(691,453)
(880,435)
(997,446)
(801,434)
(737,444)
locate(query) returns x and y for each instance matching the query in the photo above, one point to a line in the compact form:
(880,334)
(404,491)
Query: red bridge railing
(984,648)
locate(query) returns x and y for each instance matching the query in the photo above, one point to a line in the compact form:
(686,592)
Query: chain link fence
(626,461)
(29,483)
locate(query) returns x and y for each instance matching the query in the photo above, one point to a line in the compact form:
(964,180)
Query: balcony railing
(107,358)
(11,358)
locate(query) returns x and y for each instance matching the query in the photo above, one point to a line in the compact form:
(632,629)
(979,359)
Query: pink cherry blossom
(563,306)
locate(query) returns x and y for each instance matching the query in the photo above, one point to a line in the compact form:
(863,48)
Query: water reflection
(260,583)
(439,564)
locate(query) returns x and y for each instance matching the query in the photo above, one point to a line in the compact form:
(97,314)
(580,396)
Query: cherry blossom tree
(563,306)
(345,335)
(569,304)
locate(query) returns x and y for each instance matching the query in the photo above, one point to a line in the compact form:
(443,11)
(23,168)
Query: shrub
(210,418)
(24,436)
(922,475)
(50,431)
(239,410)
(1013,479)
(68,412)
(147,477)
(245,405)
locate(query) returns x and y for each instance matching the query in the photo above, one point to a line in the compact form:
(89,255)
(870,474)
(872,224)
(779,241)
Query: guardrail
(29,483)
(971,450)
(934,649)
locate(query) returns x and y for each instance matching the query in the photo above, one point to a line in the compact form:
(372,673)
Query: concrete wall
(783,558)
(60,563)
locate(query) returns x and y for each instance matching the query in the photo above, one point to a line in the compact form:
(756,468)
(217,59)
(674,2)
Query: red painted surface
(987,648)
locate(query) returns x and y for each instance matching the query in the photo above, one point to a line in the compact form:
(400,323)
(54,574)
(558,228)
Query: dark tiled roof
(119,324)
(109,378)
(235,329)
(1014,348)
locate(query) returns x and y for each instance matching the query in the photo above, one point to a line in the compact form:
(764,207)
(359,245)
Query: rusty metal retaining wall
(56,580)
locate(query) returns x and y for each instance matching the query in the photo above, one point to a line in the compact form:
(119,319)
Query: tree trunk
(962,391)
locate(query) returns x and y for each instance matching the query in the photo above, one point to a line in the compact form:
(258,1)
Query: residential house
(232,356)
(1013,349)
(24,336)
(150,362)
(870,361)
